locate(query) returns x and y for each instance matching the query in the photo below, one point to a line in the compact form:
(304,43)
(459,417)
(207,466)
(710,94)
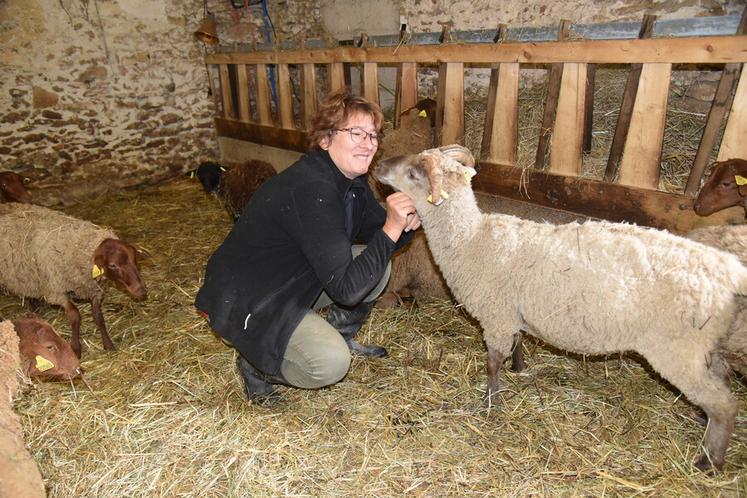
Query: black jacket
(289,244)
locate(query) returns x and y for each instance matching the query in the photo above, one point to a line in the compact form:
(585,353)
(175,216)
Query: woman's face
(351,158)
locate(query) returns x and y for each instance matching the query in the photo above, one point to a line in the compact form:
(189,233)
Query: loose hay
(165,415)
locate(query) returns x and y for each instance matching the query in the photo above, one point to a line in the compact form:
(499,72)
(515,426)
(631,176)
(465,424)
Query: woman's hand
(400,215)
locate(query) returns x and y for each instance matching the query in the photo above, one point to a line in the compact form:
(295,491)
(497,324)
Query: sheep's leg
(98,317)
(495,362)
(73,316)
(517,355)
(707,387)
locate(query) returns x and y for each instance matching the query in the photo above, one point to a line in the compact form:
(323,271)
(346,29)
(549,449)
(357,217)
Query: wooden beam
(626,107)
(264,135)
(566,155)
(734,143)
(213,90)
(699,49)
(642,157)
(501,132)
(598,199)
(285,98)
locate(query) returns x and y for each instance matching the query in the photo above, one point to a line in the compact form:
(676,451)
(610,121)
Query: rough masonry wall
(101,94)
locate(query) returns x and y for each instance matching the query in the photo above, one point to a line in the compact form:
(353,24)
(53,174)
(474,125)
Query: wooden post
(721,102)
(225,92)
(285,97)
(626,107)
(336,76)
(308,94)
(642,155)
(407,90)
(213,90)
(264,112)
(734,143)
(501,132)
(553,90)
(243,91)
(566,153)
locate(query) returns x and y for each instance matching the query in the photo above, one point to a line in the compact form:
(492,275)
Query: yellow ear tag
(192,174)
(444,196)
(740,180)
(43,364)
(423,114)
(96,271)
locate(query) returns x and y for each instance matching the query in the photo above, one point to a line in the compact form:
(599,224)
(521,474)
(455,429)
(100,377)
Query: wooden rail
(247,111)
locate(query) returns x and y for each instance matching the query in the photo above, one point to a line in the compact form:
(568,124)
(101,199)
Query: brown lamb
(13,188)
(44,354)
(46,254)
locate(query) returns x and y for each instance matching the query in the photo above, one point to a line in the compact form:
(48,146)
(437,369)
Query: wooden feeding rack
(254,94)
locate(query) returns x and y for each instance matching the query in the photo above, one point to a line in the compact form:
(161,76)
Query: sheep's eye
(411,175)
(726,184)
(112,266)
(52,348)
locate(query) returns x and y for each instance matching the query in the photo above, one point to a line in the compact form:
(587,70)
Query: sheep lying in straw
(236,184)
(13,187)
(19,475)
(594,288)
(46,254)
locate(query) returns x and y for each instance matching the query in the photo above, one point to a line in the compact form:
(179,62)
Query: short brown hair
(335,109)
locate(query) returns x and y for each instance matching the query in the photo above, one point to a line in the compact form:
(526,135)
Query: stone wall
(99,94)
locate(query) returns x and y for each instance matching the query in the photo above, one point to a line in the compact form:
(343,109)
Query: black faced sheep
(46,254)
(595,288)
(13,187)
(725,187)
(234,185)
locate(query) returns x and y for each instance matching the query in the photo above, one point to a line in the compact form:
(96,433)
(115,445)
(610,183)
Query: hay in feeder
(165,415)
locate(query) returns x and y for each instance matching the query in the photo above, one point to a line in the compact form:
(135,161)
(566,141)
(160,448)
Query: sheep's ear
(458,153)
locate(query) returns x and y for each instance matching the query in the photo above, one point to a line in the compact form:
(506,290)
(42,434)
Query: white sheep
(46,254)
(594,288)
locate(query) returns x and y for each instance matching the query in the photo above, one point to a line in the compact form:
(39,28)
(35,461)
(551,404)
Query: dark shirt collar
(342,182)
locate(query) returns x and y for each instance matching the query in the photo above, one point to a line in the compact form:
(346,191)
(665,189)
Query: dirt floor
(165,415)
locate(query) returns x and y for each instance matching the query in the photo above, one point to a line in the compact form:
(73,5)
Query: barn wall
(96,94)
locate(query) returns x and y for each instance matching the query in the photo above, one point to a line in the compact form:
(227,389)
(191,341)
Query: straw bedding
(165,416)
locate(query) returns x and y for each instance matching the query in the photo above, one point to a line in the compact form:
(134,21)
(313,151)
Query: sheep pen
(165,415)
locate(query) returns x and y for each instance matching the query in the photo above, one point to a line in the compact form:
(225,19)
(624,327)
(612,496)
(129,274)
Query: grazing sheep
(19,475)
(13,188)
(725,187)
(236,184)
(594,288)
(44,354)
(46,254)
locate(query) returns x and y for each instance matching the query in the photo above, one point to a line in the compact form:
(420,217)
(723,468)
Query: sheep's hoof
(491,398)
(705,465)
(697,415)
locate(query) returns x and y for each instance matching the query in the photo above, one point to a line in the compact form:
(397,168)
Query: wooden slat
(243,92)
(264,112)
(452,124)
(336,76)
(371,81)
(501,132)
(225,92)
(214,90)
(568,132)
(642,155)
(734,143)
(551,101)
(701,49)
(598,199)
(626,107)
(308,95)
(407,90)
(285,98)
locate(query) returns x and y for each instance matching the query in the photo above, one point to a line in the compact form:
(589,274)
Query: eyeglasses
(359,135)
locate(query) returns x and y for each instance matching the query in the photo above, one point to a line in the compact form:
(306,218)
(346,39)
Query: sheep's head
(430,174)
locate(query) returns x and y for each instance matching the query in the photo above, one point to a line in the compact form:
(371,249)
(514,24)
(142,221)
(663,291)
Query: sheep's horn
(458,153)
(432,167)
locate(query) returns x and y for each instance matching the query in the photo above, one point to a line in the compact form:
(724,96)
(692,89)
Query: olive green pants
(317,355)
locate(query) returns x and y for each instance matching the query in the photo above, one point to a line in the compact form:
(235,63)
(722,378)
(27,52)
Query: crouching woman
(292,252)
